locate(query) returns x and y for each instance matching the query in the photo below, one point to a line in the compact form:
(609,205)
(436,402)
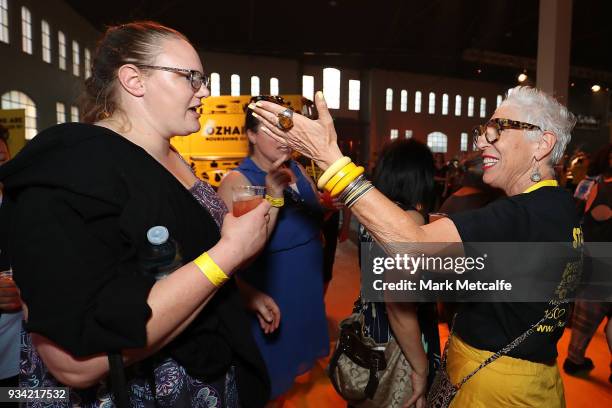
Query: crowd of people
(131,282)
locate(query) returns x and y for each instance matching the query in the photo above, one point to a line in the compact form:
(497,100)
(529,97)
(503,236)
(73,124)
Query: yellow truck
(221,143)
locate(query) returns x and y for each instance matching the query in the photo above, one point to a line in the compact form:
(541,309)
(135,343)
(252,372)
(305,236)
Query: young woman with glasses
(92,206)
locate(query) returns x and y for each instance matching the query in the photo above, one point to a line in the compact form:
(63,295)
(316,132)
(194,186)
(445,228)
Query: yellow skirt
(507,382)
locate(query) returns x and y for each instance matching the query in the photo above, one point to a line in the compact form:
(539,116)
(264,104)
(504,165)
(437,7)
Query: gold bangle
(348,179)
(332,170)
(275,202)
(338,176)
(210,269)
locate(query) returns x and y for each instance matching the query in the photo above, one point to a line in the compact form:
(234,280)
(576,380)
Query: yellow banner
(14,121)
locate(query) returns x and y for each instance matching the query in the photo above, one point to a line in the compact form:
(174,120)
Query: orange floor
(315,390)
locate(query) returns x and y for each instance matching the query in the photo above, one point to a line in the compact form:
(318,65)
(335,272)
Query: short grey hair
(541,109)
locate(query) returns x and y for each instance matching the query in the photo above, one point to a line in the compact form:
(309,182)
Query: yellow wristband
(210,269)
(348,179)
(275,202)
(332,170)
(338,176)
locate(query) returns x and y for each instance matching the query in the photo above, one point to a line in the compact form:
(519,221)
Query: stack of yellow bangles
(345,180)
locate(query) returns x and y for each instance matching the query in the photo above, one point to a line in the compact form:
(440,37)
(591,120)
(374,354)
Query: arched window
(445,104)
(354,94)
(274,86)
(74,113)
(470,106)
(215,84)
(389,99)
(19,100)
(432,103)
(417,102)
(331,87)
(308,87)
(255,86)
(437,142)
(457,105)
(235,85)
(394,134)
(87,63)
(76,58)
(464,142)
(61,50)
(4,22)
(26,30)
(483,107)
(60,111)
(404,100)
(45,32)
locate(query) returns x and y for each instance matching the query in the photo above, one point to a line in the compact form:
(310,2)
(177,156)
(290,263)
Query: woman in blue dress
(290,268)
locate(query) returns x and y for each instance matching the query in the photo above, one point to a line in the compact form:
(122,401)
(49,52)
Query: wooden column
(554,42)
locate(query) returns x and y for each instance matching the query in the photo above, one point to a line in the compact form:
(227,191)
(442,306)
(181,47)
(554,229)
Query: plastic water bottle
(162,256)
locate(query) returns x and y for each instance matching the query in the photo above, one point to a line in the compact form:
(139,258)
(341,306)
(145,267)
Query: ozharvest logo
(223,130)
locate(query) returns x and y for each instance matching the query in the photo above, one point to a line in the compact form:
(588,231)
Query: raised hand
(279,177)
(316,139)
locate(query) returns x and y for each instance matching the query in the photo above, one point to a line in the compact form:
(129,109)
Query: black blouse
(79,199)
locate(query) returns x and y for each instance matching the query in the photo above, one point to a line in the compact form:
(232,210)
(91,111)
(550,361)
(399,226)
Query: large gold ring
(285,119)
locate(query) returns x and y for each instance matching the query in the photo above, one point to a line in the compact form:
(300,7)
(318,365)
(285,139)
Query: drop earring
(535,174)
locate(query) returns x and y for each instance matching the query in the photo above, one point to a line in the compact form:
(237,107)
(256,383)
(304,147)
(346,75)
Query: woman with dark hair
(122,255)
(405,175)
(289,271)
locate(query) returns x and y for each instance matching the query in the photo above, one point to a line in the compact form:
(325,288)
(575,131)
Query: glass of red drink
(245,198)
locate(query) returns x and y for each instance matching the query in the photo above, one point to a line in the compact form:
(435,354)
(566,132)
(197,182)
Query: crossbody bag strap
(511,346)
(447,344)
(118,382)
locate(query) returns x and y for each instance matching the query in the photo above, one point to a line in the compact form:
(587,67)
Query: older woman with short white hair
(522,141)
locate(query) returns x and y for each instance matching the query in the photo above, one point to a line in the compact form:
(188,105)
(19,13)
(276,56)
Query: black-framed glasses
(195,78)
(493,128)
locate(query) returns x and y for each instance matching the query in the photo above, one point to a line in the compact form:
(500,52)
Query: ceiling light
(595,88)
(522,77)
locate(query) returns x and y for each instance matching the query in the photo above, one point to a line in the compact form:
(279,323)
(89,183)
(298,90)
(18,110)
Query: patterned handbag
(368,374)
(443,391)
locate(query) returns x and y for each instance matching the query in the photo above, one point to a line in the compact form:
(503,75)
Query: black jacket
(79,200)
